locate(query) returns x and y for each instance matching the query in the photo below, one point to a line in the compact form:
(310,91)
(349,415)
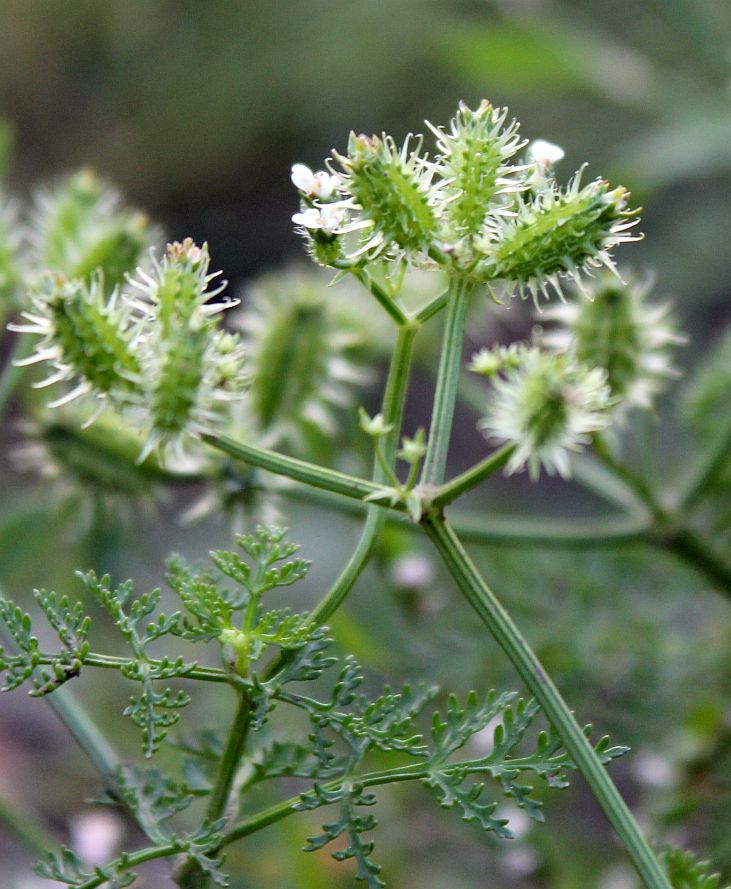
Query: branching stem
(507,635)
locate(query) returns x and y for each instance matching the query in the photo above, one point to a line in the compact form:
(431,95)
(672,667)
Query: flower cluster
(152,349)
(546,405)
(476,209)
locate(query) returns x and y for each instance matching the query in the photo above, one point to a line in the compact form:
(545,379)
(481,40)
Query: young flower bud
(390,189)
(488,362)
(375,426)
(547,407)
(554,233)
(617,329)
(473,160)
(413,449)
(89,338)
(81,229)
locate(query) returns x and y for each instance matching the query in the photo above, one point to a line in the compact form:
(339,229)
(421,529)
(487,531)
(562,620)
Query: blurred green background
(197,111)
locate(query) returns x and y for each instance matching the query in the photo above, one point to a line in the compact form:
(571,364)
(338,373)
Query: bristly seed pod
(303,345)
(80,229)
(89,338)
(474,161)
(190,368)
(556,233)
(391,192)
(547,406)
(619,330)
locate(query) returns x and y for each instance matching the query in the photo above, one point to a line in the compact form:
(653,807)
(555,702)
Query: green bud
(376,427)
(413,449)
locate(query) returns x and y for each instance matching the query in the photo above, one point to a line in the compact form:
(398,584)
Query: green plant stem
(705,472)
(26,828)
(445,394)
(550,531)
(113,662)
(231,758)
(459,485)
(507,635)
(696,552)
(394,397)
(85,732)
(291,806)
(380,294)
(669,531)
(292,467)
(635,483)
(431,308)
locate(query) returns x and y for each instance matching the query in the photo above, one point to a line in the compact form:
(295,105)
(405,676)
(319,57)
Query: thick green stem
(445,394)
(230,759)
(467,480)
(696,552)
(507,635)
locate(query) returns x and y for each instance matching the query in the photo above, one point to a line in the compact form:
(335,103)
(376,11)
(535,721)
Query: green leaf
(72,627)
(685,871)
(66,867)
(352,825)
(153,798)
(200,595)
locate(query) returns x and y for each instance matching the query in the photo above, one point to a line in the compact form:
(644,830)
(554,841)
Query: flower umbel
(547,406)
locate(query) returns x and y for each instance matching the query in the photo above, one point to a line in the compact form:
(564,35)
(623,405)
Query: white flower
(319,185)
(327,219)
(547,407)
(545,154)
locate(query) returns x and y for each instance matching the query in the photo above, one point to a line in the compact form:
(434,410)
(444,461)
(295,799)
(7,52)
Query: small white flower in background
(654,770)
(519,861)
(545,154)
(318,184)
(95,836)
(519,822)
(412,571)
(327,219)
